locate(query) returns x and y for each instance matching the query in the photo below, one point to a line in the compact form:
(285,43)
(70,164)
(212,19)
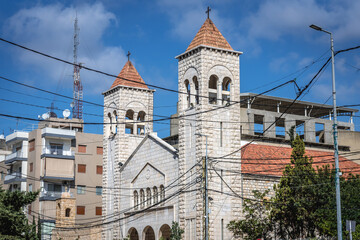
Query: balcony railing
(58,133)
(14,177)
(58,153)
(19,155)
(52,195)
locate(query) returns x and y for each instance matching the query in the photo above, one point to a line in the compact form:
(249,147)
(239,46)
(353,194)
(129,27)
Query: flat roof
(269,103)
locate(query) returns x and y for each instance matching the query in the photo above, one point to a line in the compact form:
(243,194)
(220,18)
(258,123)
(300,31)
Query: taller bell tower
(128,114)
(209,109)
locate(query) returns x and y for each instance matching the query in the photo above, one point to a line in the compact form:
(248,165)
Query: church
(149,182)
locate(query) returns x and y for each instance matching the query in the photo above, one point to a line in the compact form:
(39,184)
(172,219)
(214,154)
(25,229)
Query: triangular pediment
(148,172)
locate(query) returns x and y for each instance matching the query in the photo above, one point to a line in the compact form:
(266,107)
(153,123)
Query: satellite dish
(72,105)
(45,116)
(66,113)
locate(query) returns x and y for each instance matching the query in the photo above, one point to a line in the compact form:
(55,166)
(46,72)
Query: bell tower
(128,114)
(209,111)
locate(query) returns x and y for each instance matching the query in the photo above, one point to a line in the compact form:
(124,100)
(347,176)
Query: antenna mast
(78,88)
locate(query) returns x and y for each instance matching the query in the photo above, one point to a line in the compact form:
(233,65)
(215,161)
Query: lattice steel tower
(78,88)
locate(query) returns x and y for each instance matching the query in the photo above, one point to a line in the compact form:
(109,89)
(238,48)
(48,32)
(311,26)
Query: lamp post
(336,149)
(206,196)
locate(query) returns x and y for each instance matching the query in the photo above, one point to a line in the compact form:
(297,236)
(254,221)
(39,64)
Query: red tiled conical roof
(209,35)
(129,72)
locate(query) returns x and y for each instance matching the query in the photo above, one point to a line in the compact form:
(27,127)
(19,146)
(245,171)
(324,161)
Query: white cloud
(50,28)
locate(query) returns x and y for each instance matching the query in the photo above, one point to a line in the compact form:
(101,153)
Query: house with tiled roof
(149,182)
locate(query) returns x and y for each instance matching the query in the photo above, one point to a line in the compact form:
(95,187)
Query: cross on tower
(208,12)
(128,55)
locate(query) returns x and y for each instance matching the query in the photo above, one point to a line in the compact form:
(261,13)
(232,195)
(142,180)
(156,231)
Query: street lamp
(206,189)
(336,149)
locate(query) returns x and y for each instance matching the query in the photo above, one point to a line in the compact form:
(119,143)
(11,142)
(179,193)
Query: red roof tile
(271,160)
(209,35)
(129,72)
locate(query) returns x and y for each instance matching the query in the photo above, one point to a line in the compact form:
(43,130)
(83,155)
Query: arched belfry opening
(196,86)
(129,119)
(188,92)
(226,90)
(213,89)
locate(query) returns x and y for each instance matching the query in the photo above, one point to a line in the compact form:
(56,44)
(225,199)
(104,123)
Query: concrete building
(57,158)
(3,167)
(151,182)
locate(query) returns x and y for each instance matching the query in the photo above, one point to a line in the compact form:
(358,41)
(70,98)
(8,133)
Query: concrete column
(309,131)
(288,124)
(249,128)
(268,120)
(219,92)
(328,132)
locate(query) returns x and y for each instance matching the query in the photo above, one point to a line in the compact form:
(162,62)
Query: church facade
(148,183)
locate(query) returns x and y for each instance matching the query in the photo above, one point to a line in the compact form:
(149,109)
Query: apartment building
(54,159)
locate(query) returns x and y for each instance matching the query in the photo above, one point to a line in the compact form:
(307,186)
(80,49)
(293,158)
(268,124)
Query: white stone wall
(205,62)
(118,145)
(152,164)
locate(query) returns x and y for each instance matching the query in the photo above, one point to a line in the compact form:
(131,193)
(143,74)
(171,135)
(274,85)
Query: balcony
(17,137)
(57,153)
(52,195)
(59,169)
(14,177)
(58,133)
(16,156)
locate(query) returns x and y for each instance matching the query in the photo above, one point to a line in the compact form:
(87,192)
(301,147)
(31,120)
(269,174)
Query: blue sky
(274,35)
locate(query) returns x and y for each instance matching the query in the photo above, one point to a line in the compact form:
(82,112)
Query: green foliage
(295,198)
(13,222)
(176,231)
(256,223)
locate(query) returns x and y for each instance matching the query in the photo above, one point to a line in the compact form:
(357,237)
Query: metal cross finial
(208,12)
(128,55)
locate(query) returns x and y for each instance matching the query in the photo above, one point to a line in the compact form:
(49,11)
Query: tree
(13,222)
(296,200)
(176,231)
(256,223)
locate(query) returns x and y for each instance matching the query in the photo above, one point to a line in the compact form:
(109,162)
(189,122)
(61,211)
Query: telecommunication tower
(78,88)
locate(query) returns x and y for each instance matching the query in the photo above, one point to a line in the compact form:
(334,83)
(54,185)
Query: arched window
(148,197)
(213,89)
(196,85)
(155,193)
(136,200)
(141,125)
(142,198)
(162,193)
(116,122)
(226,84)
(129,119)
(67,212)
(110,124)
(187,86)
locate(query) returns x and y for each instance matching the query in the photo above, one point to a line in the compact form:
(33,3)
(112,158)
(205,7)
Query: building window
(99,169)
(2,176)
(82,148)
(31,166)
(81,168)
(129,119)
(142,198)
(31,145)
(98,211)
(56,149)
(54,188)
(148,197)
(156,199)
(162,193)
(80,189)
(80,210)
(30,187)
(67,212)
(99,150)
(98,190)
(136,200)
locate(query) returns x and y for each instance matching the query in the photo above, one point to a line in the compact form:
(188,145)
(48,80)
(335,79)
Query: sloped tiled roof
(209,35)
(129,72)
(271,160)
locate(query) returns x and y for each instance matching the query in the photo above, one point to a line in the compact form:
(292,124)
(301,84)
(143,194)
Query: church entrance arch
(148,233)
(165,232)
(133,234)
